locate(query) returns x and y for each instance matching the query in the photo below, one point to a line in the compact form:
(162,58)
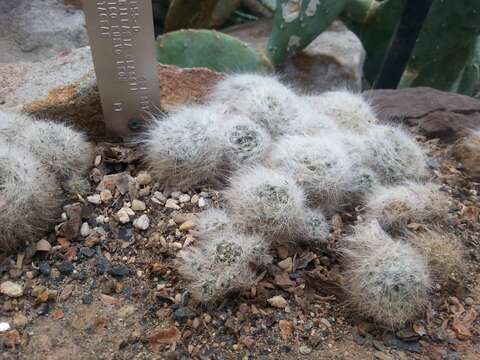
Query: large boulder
(333,60)
(64,89)
(432,112)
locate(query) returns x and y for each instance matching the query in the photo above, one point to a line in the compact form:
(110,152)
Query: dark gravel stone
(182,314)
(66,268)
(102,264)
(412,346)
(87,299)
(44,268)
(119,271)
(81,275)
(42,309)
(124,233)
(87,252)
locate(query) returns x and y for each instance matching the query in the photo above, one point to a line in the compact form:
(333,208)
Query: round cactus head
(212,221)
(394,207)
(393,155)
(349,110)
(65,151)
(244,142)
(180,149)
(266,200)
(263,99)
(320,165)
(27,191)
(316,228)
(222,264)
(387,280)
(310,122)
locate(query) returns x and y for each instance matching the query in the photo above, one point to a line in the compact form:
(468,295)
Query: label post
(123,48)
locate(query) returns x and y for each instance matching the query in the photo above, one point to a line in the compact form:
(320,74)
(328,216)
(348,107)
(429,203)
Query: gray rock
(38,29)
(182,314)
(333,60)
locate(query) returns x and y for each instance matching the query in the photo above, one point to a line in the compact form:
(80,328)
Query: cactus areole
(124,60)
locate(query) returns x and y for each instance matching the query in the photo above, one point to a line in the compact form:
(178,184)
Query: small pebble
(44,268)
(175,194)
(94,199)
(122,216)
(4,326)
(171,204)
(143,178)
(202,202)
(85,229)
(11,289)
(138,205)
(304,350)
(44,245)
(194,199)
(187,225)
(184,198)
(278,302)
(159,197)
(182,314)
(98,160)
(142,223)
(66,268)
(106,195)
(119,271)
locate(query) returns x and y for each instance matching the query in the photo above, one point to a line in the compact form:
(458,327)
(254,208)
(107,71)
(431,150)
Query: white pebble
(94,199)
(202,202)
(85,229)
(194,199)
(171,204)
(138,205)
(184,198)
(122,216)
(106,195)
(98,160)
(159,198)
(4,326)
(175,194)
(144,178)
(142,223)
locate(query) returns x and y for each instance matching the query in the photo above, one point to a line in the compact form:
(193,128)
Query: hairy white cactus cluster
(387,280)
(266,201)
(38,159)
(287,162)
(467,151)
(222,264)
(394,207)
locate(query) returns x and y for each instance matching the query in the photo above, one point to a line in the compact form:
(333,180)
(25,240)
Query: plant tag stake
(123,48)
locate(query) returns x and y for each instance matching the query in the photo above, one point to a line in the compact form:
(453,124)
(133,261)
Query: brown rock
(247,341)
(71,227)
(169,336)
(286,329)
(434,113)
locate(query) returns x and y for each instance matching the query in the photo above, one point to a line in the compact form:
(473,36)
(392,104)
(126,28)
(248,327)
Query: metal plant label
(122,43)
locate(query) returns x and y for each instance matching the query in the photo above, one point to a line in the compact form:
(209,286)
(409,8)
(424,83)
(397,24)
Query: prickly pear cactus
(374,23)
(445,45)
(189,14)
(298,22)
(469,83)
(210,49)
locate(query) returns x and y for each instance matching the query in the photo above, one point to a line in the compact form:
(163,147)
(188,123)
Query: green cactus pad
(299,22)
(210,49)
